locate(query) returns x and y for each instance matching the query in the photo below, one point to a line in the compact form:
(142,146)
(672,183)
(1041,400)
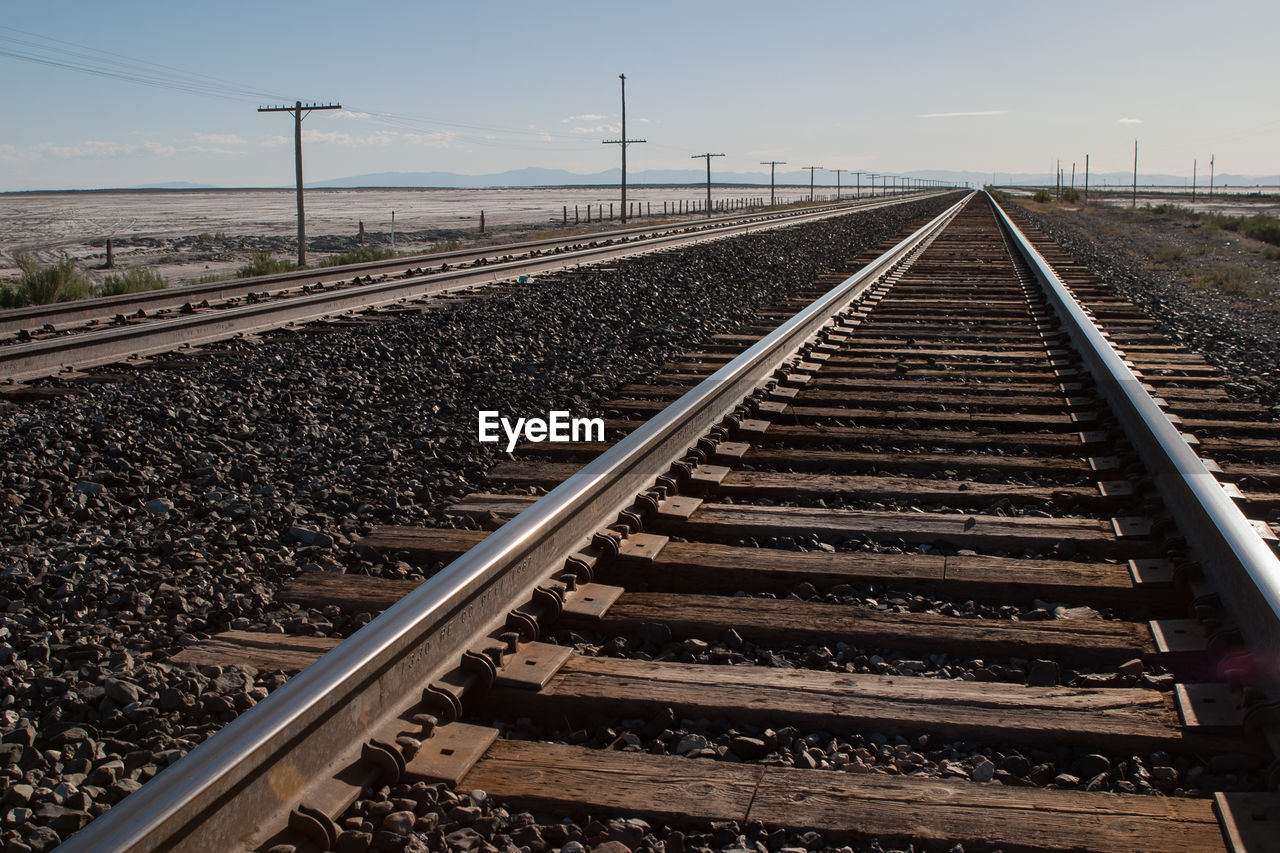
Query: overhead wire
(58,53)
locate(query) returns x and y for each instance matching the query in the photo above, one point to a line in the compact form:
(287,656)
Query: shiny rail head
(1240,564)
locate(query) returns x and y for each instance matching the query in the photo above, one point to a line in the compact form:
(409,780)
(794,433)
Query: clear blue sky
(480,87)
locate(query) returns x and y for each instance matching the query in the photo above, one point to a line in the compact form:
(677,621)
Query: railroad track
(932,559)
(48,340)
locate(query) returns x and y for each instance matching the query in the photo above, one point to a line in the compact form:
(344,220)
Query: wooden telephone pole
(772,164)
(300,111)
(708,158)
(1133,204)
(623,143)
(838,171)
(811,170)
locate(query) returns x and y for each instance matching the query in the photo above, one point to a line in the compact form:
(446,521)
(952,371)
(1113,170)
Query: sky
(483,87)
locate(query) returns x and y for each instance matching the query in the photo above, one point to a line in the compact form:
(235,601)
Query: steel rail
(47,357)
(1242,567)
(105,307)
(238,787)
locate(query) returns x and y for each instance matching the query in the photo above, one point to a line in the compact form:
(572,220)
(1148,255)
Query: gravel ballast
(1234,331)
(143,516)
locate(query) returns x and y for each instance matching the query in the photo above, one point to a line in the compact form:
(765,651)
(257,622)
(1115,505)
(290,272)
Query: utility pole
(1073,177)
(772,164)
(859,174)
(1086,179)
(1194,164)
(708,158)
(811,169)
(1211,177)
(298,115)
(1133,203)
(623,143)
(838,171)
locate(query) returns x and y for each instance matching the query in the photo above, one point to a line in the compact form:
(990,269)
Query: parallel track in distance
(253,305)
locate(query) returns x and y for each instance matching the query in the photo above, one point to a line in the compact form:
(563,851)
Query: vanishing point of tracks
(49,340)
(1081,657)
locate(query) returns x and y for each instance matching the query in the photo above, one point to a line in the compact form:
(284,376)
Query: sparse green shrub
(263,264)
(40,285)
(362,255)
(1070,195)
(211,277)
(136,280)
(1170,253)
(451,245)
(1262,226)
(1042,196)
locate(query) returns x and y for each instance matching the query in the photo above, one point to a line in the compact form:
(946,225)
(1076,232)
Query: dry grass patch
(1228,280)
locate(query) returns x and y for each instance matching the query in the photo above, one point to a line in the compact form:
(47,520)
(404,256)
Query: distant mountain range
(538,177)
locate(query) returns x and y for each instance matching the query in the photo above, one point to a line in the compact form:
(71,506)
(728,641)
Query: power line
(90,60)
(70,56)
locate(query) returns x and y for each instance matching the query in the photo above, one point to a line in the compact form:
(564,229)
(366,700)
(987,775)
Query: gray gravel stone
(400,823)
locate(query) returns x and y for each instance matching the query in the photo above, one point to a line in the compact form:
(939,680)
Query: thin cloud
(597,129)
(964,113)
(435,139)
(337,137)
(97,149)
(219,139)
(350,114)
(89,149)
(1129,121)
(583,117)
